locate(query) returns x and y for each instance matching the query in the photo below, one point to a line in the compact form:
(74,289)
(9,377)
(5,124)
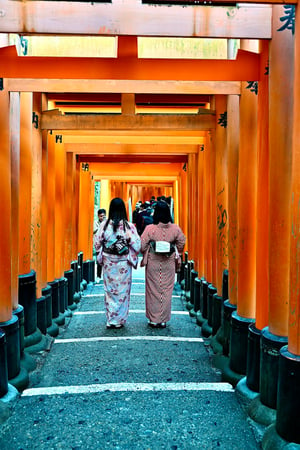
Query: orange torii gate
(271,312)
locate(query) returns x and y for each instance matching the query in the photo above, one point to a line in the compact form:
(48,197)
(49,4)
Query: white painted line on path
(128,338)
(131,311)
(128,387)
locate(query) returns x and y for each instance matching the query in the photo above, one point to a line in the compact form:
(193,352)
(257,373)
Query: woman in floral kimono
(161,244)
(118,244)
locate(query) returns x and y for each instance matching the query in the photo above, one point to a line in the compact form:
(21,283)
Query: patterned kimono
(160,270)
(117,272)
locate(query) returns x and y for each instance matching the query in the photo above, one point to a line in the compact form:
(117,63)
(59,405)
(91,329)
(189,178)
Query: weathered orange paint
(59,219)
(69,207)
(207,228)
(262,234)
(280,145)
(247,188)
(84,213)
(183,196)
(25,183)
(36,198)
(15,189)
(192,167)
(199,214)
(213,222)
(221,194)
(244,67)
(233,165)
(294,305)
(44,205)
(51,207)
(6,224)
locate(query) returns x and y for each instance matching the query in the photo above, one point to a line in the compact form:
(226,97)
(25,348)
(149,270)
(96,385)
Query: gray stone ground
(152,420)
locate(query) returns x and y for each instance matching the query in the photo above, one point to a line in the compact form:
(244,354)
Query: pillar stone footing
(272,441)
(60,319)
(192,312)
(239,342)
(288,402)
(53,330)
(28,362)
(270,345)
(206,330)
(215,345)
(261,413)
(33,339)
(11,395)
(221,362)
(21,381)
(245,394)
(39,345)
(199,319)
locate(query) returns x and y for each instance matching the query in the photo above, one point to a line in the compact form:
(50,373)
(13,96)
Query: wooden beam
(131,149)
(135,169)
(141,139)
(130,122)
(134,18)
(125,86)
(244,68)
(153,158)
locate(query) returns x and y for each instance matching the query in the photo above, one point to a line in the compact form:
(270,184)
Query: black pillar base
(288,402)
(228,309)
(12,333)
(3,364)
(216,304)
(253,358)
(86,271)
(69,275)
(57,317)
(270,346)
(239,343)
(19,312)
(27,298)
(41,315)
(190,304)
(52,329)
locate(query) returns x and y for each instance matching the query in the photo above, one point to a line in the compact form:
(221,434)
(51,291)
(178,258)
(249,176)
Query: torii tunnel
(221,136)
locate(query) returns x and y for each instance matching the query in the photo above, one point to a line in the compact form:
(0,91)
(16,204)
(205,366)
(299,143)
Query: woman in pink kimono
(118,244)
(158,243)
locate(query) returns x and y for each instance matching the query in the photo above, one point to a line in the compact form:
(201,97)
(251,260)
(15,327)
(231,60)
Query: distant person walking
(118,245)
(97,223)
(158,243)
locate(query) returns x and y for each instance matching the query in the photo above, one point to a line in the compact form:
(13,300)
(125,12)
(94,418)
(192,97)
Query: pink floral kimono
(117,271)
(160,270)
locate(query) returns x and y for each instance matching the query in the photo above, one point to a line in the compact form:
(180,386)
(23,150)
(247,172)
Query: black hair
(101,211)
(162,213)
(116,213)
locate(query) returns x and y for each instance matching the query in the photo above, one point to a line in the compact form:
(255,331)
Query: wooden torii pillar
(288,401)
(245,314)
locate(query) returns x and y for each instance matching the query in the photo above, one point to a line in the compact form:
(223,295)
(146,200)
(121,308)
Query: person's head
(101,214)
(117,211)
(162,213)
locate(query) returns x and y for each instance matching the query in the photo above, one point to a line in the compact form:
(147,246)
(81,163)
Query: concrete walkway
(133,388)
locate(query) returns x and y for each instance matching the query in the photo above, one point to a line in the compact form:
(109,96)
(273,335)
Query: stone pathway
(133,388)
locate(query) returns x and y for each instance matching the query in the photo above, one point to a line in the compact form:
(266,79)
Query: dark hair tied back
(117,212)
